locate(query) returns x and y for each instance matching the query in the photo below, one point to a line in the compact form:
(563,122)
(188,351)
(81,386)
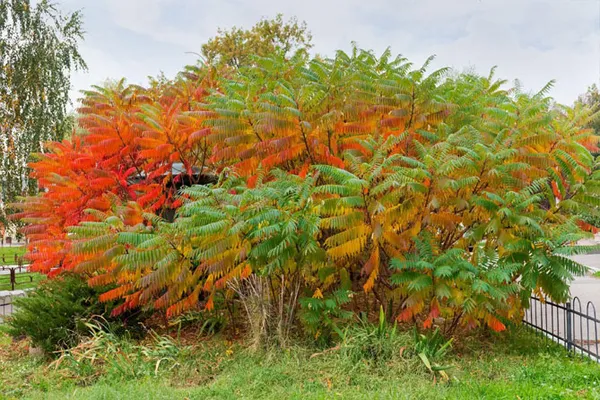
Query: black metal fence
(570,324)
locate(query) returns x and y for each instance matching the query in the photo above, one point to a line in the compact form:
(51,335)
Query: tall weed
(374,343)
(103,353)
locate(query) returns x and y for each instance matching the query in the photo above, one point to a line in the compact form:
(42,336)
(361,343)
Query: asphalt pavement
(587,288)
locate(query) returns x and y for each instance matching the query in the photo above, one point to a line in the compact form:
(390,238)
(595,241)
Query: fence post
(569,327)
(13,278)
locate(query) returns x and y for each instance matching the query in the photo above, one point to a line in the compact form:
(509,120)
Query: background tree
(591,98)
(236,46)
(38,51)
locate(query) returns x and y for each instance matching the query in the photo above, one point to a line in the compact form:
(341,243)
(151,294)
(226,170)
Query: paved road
(587,288)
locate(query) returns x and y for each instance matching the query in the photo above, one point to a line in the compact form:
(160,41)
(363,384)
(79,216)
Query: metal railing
(568,324)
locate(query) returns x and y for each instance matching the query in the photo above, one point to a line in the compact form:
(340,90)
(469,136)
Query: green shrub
(54,315)
(321,315)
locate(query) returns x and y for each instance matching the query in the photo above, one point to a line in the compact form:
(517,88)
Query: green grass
(9,254)
(596,274)
(25,280)
(515,365)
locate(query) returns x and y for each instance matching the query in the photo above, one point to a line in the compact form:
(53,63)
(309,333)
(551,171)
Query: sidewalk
(592,261)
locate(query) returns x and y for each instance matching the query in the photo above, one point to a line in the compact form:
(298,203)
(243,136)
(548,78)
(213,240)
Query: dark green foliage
(54,315)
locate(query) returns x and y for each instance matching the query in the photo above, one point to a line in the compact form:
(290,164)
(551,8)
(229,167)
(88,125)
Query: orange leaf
(495,324)
(555,190)
(428,322)
(304,170)
(210,304)
(405,315)
(252,181)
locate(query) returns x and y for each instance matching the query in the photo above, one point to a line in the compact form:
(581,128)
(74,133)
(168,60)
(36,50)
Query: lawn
(9,254)
(514,365)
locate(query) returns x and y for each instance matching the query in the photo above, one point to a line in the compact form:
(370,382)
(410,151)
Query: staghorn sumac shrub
(445,199)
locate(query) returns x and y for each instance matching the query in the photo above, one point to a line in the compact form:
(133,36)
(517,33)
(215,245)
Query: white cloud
(103,66)
(535,41)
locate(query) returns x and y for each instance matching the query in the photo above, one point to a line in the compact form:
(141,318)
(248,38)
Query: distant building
(9,236)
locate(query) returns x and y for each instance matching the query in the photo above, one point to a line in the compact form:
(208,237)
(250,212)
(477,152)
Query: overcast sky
(534,41)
